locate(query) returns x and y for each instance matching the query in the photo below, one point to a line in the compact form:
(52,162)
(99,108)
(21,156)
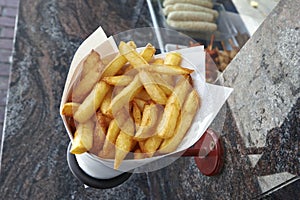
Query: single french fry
(83,138)
(98,138)
(85,85)
(173,58)
(92,102)
(137,114)
(154,91)
(122,99)
(123,146)
(114,66)
(111,136)
(90,62)
(170,69)
(70,108)
(121,80)
(103,121)
(148,52)
(104,107)
(148,124)
(151,145)
(77,146)
(167,125)
(184,122)
(133,57)
(181,90)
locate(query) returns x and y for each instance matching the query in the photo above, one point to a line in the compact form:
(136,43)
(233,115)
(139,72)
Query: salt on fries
(135,103)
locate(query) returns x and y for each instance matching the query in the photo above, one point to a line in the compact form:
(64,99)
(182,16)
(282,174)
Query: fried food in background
(191,15)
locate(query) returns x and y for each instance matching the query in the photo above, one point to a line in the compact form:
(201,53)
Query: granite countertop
(261,132)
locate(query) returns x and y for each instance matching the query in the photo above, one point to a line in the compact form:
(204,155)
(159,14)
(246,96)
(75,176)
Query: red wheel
(210,159)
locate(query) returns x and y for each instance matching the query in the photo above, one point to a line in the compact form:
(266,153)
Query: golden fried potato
(111,136)
(167,125)
(114,66)
(90,62)
(133,57)
(173,58)
(148,52)
(91,103)
(98,138)
(137,114)
(122,99)
(147,127)
(70,108)
(110,154)
(184,122)
(124,144)
(83,138)
(90,75)
(151,145)
(169,69)
(104,107)
(152,88)
(121,80)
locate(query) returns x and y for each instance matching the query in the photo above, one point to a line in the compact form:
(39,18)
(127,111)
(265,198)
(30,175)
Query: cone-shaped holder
(91,181)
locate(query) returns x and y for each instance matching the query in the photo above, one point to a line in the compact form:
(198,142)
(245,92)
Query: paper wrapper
(212,99)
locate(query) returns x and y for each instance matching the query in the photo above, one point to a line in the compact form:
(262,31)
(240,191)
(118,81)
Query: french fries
(91,103)
(132,56)
(152,88)
(170,69)
(121,80)
(111,136)
(70,108)
(135,104)
(149,119)
(167,125)
(90,75)
(183,123)
(83,138)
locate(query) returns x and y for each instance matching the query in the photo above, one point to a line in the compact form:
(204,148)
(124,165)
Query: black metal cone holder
(91,181)
(207,152)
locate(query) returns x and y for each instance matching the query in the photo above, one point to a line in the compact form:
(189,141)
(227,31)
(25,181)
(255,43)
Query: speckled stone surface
(34,152)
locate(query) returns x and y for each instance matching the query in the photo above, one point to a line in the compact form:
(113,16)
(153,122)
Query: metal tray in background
(226,27)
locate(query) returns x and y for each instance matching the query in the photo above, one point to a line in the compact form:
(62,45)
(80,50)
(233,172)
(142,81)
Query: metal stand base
(90,181)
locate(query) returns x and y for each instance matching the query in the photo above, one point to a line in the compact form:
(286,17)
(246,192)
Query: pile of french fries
(135,104)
